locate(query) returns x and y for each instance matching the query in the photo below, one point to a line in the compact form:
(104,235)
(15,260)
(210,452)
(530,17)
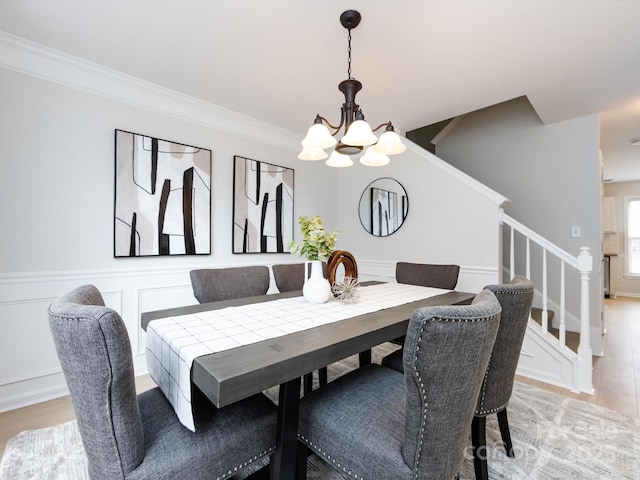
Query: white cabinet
(609,215)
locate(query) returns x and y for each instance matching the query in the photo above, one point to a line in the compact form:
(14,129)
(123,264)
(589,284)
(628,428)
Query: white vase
(316,288)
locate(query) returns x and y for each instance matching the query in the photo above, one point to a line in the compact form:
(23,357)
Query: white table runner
(174,342)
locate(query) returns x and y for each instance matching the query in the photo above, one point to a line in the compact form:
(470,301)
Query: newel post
(585,354)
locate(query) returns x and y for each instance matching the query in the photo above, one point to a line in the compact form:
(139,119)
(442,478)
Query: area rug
(555,437)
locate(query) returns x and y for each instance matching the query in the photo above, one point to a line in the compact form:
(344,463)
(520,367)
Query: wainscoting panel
(29,367)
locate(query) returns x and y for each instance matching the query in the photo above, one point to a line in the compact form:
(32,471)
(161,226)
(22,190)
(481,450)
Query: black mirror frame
(404,206)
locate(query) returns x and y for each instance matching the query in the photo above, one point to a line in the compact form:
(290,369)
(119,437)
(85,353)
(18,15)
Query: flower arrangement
(316,243)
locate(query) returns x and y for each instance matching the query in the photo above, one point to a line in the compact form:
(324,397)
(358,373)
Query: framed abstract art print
(262,207)
(162,197)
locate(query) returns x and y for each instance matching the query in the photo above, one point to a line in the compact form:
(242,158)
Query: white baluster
(528,274)
(563,339)
(585,359)
(545,312)
(512,260)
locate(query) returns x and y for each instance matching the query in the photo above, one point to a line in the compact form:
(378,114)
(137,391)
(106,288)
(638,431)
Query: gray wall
(550,173)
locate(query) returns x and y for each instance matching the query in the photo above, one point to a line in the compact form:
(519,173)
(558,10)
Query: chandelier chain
(349,56)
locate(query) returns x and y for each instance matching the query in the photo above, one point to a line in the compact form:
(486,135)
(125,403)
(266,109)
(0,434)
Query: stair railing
(583,264)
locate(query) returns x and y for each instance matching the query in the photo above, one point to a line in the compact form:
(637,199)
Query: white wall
(57,207)
(57,122)
(451,219)
(550,173)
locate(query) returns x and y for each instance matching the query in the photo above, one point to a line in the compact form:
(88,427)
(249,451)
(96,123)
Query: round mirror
(383,207)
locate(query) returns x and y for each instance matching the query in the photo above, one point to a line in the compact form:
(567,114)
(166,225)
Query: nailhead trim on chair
(482,411)
(423,394)
(484,385)
(248,462)
(321,452)
(493,410)
(324,454)
(419,379)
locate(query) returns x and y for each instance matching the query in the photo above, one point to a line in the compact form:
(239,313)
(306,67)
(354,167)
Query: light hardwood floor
(616,376)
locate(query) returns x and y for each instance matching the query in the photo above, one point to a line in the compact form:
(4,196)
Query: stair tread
(572,339)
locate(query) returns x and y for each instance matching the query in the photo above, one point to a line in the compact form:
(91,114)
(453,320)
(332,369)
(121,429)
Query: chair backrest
(95,353)
(428,274)
(290,276)
(446,352)
(515,299)
(215,284)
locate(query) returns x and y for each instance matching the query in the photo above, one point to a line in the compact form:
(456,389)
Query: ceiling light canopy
(357,132)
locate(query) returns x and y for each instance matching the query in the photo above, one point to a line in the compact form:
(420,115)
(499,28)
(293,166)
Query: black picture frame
(162,197)
(263,195)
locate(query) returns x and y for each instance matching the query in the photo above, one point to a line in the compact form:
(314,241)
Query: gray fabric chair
(139,437)
(290,277)
(215,284)
(374,423)
(426,275)
(497,385)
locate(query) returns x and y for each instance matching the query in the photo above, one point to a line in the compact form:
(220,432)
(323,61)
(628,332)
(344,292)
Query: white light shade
(374,159)
(389,144)
(318,136)
(309,153)
(339,160)
(359,134)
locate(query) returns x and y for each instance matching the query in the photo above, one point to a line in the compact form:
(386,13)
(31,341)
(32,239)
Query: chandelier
(358,133)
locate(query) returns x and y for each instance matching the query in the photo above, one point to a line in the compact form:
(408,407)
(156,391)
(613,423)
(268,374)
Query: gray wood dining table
(231,375)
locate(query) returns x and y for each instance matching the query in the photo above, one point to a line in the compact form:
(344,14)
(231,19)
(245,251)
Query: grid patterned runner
(174,342)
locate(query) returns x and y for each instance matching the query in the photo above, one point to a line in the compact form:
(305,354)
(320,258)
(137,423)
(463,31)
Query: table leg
(283,462)
(365,358)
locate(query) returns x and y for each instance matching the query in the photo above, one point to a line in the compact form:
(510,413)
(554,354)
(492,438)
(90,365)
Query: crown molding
(43,62)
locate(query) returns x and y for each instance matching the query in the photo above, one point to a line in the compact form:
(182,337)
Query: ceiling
(420,62)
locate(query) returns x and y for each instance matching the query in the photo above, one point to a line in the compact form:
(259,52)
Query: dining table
(236,373)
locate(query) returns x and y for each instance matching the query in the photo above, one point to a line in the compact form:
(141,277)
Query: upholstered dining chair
(128,436)
(515,299)
(215,284)
(428,274)
(497,384)
(433,275)
(375,423)
(290,277)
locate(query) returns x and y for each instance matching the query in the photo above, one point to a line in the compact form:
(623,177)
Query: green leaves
(316,243)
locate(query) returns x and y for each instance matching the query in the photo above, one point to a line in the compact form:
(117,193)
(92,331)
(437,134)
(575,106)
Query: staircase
(572,339)
(551,352)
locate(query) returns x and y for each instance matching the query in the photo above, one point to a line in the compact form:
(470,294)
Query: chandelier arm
(386,124)
(328,124)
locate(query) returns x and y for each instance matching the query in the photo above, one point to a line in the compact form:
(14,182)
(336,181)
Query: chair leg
(322,376)
(301,461)
(365,358)
(479,447)
(503,423)
(307,382)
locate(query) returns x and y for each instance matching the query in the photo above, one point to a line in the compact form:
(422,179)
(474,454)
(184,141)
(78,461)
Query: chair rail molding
(25,298)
